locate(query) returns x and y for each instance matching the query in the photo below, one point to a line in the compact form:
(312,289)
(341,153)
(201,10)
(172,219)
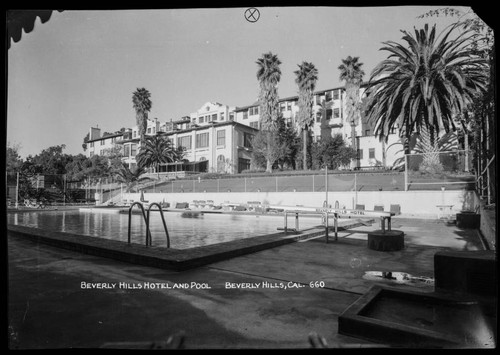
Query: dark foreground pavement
(49,308)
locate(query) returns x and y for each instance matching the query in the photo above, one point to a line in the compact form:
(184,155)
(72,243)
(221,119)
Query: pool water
(184,232)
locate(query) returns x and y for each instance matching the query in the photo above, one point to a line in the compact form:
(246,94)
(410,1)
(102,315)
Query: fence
(443,169)
(51,188)
(298,183)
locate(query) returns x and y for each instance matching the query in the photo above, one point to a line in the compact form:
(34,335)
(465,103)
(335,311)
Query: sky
(80,69)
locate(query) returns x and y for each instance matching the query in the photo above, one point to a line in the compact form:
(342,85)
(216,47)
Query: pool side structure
(167,258)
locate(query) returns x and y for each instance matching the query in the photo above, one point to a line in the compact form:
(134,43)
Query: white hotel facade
(217,137)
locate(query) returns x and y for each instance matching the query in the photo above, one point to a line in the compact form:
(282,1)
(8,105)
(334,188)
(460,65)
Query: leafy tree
(158,150)
(13,160)
(424,84)
(142,105)
(288,139)
(332,152)
(53,160)
(85,141)
(273,152)
(76,168)
(306,78)
(352,74)
(269,75)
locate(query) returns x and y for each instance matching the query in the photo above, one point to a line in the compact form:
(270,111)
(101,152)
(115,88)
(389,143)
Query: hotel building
(217,137)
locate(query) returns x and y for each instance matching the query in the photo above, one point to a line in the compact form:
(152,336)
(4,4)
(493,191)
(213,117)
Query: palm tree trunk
(353,140)
(304,148)
(269,165)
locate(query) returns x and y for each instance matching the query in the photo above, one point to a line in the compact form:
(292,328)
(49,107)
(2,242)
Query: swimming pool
(184,233)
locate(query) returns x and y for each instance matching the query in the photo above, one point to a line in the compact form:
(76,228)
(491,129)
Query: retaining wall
(412,203)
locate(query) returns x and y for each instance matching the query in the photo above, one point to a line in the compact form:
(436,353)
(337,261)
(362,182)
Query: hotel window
(360,153)
(254,110)
(126,150)
(367,132)
(202,140)
(222,116)
(336,113)
(200,120)
(247,140)
(102,142)
(317,99)
(371,153)
(184,142)
(221,137)
(91,154)
(328,96)
(231,116)
(149,130)
(282,107)
(194,120)
(245,115)
(289,106)
(113,140)
(135,134)
(91,144)
(133,150)
(254,125)
(214,117)
(318,116)
(335,94)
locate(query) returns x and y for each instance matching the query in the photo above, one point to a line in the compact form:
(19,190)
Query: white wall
(413,203)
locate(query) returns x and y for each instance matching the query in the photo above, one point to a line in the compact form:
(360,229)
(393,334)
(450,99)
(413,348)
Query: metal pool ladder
(149,240)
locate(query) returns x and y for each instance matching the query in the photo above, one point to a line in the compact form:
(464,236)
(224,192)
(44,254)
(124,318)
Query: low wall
(413,203)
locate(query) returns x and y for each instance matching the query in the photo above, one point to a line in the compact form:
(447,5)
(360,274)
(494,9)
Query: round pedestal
(468,220)
(392,240)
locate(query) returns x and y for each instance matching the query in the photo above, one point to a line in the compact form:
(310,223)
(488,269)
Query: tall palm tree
(269,75)
(352,74)
(306,78)
(424,84)
(142,105)
(157,150)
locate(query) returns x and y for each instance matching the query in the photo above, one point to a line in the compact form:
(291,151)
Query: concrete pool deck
(52,303)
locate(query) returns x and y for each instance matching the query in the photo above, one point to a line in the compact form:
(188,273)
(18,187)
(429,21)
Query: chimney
(95,133)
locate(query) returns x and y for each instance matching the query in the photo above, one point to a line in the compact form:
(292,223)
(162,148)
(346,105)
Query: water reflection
(184,232)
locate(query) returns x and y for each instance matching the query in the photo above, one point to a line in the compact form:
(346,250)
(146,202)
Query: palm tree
(130,176)
(142,106)
(157,150)
(423,85)
(269,75)
(352,74)
(306,78)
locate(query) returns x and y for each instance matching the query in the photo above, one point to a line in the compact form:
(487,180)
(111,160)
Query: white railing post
(17,191)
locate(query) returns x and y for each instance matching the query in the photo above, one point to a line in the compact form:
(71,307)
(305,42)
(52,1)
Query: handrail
(145,220)
(148,233)
(484,170)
